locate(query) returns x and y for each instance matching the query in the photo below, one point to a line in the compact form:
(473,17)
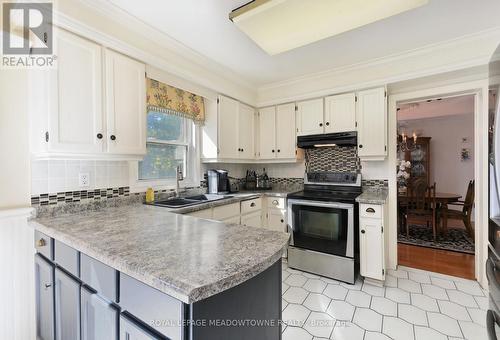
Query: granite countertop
(185,257)
(373,196)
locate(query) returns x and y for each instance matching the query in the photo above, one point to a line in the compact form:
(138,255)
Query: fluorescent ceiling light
(282,25)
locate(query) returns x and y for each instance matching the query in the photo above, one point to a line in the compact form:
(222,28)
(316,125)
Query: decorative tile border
(79,196)
(375,183)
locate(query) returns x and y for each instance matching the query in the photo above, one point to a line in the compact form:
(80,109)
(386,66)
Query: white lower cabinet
(99,317)
(252,219)
(232,220)
(371,243)
(276,219)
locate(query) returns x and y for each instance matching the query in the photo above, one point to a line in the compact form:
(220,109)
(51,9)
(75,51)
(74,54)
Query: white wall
(14,140)
(447,170)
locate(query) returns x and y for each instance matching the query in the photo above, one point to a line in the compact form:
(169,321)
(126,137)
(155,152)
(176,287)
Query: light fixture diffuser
(282,25)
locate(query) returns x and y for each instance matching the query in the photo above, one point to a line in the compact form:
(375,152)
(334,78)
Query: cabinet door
(285,131)
(252,220)
(44,281)
(276,220)
(75,104)
(310,117)
(372,124)
(371,248)
(99,318)
(228,128)
(267,125)
(246,121)
(340,113)
(130,330)
(67,303)
(126,104)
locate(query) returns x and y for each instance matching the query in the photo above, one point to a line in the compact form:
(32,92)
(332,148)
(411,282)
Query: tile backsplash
(57,176)
(336,158)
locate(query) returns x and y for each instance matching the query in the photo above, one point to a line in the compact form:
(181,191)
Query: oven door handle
(492,319)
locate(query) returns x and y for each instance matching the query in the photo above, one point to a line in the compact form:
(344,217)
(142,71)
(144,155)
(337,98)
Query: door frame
(479,89)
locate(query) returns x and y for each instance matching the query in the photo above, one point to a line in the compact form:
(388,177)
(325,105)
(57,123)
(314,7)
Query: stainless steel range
(323,221)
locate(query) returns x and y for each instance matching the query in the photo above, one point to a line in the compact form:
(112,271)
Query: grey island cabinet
(141,272)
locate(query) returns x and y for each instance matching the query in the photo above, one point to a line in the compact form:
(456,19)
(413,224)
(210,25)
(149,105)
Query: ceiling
(437,108)
(203,26)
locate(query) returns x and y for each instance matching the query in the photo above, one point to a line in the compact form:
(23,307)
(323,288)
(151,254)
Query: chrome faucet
(178,177)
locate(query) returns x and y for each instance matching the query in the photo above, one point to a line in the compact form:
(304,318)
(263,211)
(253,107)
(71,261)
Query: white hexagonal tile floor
(414,305)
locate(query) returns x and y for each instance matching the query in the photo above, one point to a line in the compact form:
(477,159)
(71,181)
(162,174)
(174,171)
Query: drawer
(251,205)
(276,202)
(206,213)
(67,258)
(370,210)
(231,220)
(44,245)
(157,309)
(224,212)
(99,276)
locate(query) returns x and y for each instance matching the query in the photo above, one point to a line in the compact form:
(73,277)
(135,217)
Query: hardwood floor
(436,260)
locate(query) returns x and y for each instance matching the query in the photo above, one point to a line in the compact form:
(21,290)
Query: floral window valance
(168,99)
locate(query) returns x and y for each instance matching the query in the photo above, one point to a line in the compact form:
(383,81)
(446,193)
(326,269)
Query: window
(170,143)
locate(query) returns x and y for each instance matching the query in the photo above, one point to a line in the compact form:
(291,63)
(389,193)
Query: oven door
(322,226)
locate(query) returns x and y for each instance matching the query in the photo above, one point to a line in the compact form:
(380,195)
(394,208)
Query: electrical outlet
(83,179)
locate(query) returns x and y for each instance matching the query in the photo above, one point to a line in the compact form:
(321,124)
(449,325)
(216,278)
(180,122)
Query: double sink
(181,202)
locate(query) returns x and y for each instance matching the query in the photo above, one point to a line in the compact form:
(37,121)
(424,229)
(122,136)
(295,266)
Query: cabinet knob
(242,150)
(48,285)
(252,204)
(327,123)
(41,243)
(282,220)
(275,202)
(320,124)
(370,210)
(112,137)
(360,146)
(279,150)
(273,150)
(99,136)
(362,231)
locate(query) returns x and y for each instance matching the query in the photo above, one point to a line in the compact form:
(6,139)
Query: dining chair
(465,214)
(422,206)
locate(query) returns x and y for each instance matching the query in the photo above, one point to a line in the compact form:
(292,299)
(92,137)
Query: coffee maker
(218,181)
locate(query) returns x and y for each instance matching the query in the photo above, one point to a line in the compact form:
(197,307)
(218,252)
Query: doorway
(435,180)
(478,89)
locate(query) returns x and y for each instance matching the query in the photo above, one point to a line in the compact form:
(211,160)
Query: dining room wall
(449,135)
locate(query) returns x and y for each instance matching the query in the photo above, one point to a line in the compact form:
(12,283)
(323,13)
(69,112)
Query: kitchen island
(176,276)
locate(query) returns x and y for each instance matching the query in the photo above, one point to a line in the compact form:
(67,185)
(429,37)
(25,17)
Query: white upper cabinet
(371,114)
(340,113)
(236,129)
(310,117)
(126,104)
(75,116)
(277,132)
(285,131)
(228,128)
(267,132)
(80,111)
(246,121)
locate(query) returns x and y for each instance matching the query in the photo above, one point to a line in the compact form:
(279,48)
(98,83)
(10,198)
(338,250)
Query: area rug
(455,239)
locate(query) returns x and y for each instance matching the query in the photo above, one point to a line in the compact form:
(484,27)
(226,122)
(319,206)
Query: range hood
(328,139)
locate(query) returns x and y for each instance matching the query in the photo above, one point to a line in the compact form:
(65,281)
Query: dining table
(442,200)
